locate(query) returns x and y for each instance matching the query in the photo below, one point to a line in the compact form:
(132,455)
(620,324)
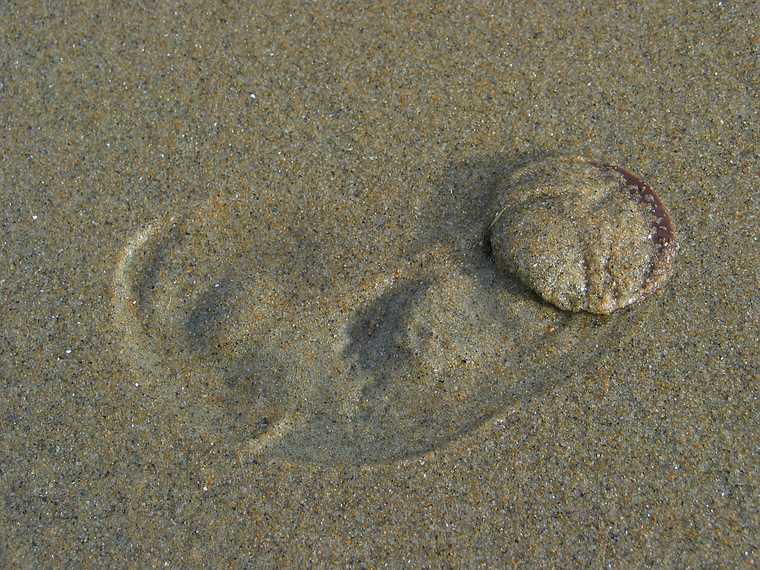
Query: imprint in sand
(241,324)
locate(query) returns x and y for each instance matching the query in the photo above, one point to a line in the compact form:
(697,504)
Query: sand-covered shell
(583,234)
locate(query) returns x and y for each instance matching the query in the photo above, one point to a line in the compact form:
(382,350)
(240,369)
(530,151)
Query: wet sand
(250,320)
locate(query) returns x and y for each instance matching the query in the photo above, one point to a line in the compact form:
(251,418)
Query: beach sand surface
(249,317)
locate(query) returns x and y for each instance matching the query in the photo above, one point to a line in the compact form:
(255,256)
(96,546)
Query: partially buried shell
(583,234)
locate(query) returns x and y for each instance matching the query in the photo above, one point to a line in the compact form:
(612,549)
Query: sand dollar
(584,235)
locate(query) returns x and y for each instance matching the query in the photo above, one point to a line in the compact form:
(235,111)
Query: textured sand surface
(247,317)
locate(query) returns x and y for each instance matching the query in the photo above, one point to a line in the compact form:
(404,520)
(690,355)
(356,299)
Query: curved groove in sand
(126,303)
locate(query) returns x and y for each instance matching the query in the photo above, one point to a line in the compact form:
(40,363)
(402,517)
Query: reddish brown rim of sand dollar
(663,231)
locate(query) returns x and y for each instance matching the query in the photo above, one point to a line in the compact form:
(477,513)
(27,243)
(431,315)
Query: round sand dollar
(584,235)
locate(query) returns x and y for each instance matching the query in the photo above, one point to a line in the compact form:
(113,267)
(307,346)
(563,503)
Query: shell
(583,234)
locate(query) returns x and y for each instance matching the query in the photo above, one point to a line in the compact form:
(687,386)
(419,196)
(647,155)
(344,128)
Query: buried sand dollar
(584,235)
